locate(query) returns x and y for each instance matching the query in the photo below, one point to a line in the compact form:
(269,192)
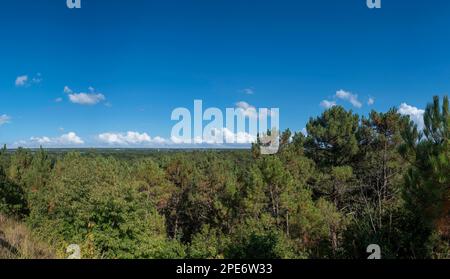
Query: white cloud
(251,111)
(414,113)
(42,140)
(240,137)
(21,81)
(371,101)
(177,140)
(25,81)
(84,98)
(230,137)
(244,105)
(304,132)
(248,91)
(22,143)
(248,110)
(159,140)
(67,90)
(327,104)
(58,100)
(69,139)
(221,137)
(347,96)
(4,119)
(129,138)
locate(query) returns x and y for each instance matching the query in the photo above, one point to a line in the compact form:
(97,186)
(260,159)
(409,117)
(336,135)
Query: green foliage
(427,182)
(20,162)
(209,243)
(12,197)
(332,138)
(151,182)
(258,239)
(349,183)
(206,194)
(91,202)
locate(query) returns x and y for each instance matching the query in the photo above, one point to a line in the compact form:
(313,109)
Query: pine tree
(427,183)
(332,138)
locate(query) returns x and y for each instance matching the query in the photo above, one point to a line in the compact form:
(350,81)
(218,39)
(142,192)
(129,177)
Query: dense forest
(350,182)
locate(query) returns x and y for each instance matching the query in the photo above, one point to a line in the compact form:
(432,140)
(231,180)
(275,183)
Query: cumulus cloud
(327,104)
(159,140)
(220,137)
(349,97)
(25,81)
(177,140)
(143,139)
(129,138)
(86,99)
(345,96)
(69,139)
(41,140)
(251,111)
(248,110)
(21,81)
(231,137)
(240,137)
(4,119)
(244,105)
(414,113)
(81,98)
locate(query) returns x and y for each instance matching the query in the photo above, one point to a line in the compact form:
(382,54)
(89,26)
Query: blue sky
(136,61)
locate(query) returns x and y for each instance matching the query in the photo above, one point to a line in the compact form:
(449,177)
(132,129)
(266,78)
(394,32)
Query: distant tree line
(350,182)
